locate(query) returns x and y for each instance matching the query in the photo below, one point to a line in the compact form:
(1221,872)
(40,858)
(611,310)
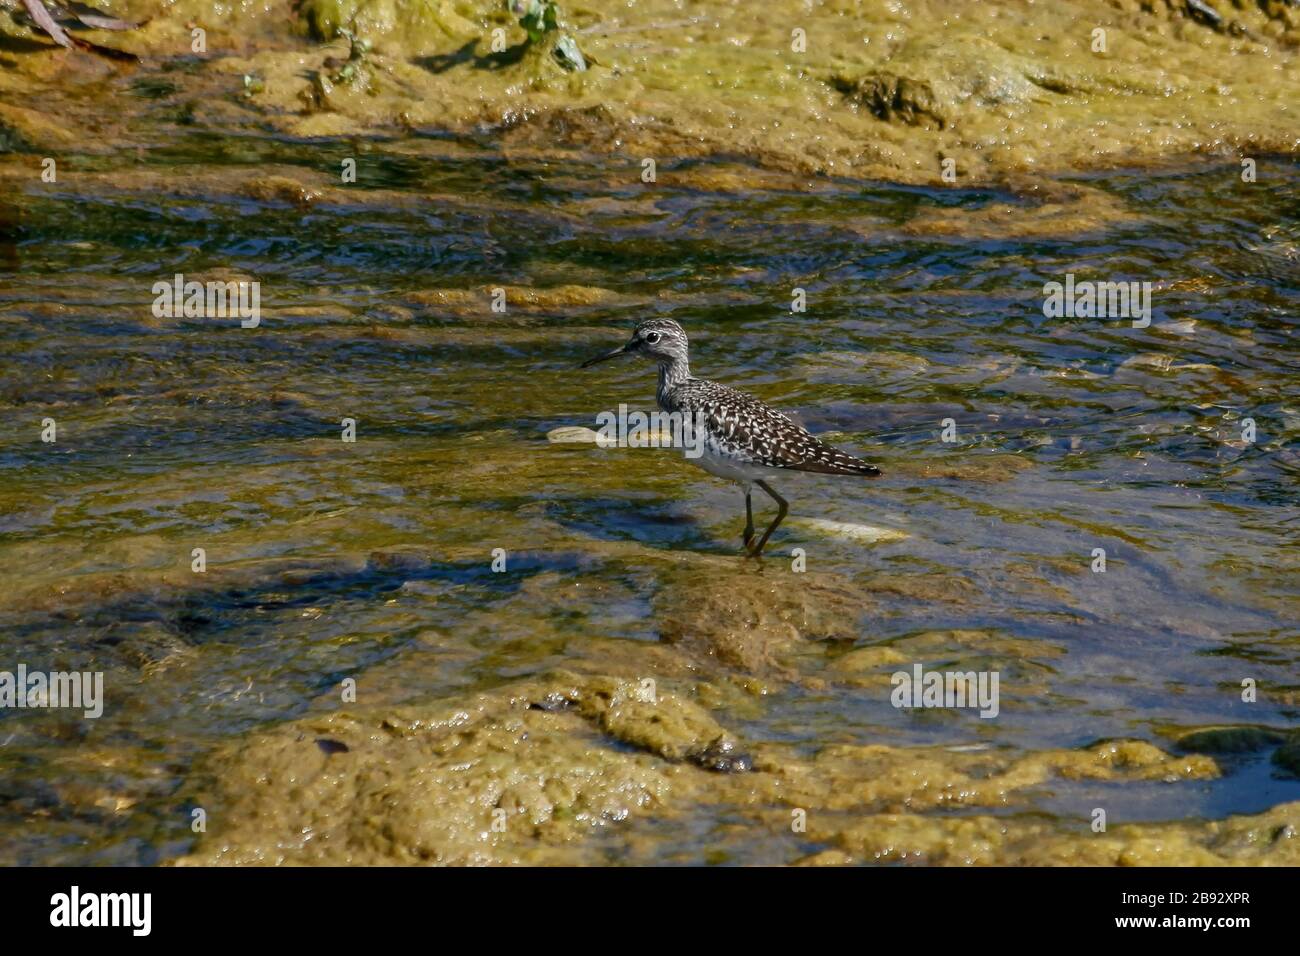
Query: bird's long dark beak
(621,350)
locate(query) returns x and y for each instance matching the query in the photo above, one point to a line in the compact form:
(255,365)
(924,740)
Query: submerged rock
(751,622)
(862,533)
(1047,210)
(1287,757)
(1230,740)
(562,299)
(968,467)
(574,433)
(150,645)
(280,189)
(26,129)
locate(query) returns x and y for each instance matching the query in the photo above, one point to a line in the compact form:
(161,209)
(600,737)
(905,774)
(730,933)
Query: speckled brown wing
(742,427)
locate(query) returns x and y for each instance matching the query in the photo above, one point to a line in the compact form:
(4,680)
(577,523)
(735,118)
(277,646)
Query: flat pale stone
(576,433)
(647,438)
(1164,363)
(865,533)
(1154,360)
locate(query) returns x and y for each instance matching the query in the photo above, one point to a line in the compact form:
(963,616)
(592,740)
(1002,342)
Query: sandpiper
(745,440)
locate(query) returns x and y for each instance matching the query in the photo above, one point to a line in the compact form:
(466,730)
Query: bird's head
(662,340)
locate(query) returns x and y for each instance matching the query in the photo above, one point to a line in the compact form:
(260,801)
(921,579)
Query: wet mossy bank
(992,92)
(578,769)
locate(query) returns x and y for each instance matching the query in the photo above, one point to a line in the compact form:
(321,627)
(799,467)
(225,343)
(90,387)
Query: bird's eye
(652,337)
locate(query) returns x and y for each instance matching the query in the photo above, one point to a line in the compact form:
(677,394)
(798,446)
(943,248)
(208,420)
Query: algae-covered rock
(26,129)
(527,299)
(751,622)
(512,776)
(280,189)
(1048,210)
(879,778)
(826,858)
(950,588)
(1131,759)
(428,21)
(1287,757)
(1271,838)
(149,645)
(1000,87)
(866,659)
(636,713)
(1230,740)
(523,774)
(965,467)
(929,81)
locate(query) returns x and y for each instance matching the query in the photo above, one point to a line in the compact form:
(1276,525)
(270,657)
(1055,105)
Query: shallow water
(1071,435)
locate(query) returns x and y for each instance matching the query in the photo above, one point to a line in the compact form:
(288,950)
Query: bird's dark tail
(827,460)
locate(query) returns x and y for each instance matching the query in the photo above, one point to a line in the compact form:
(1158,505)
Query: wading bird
(744,439)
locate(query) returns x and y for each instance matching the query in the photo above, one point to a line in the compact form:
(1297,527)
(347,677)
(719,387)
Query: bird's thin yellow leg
(748,534)
(782,507)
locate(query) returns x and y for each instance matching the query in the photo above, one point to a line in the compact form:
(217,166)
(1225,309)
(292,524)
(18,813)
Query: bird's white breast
(727,466)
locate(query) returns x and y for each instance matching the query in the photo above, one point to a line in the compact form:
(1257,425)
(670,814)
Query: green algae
(874,92)
(509,777)
(1230,740)
(516,776)
(373,560)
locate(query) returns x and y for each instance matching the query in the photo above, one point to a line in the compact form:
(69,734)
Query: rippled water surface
(372,559)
